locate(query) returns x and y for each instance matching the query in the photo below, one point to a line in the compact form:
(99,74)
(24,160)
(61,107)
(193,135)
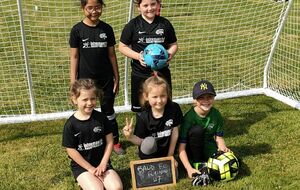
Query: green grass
(263,132)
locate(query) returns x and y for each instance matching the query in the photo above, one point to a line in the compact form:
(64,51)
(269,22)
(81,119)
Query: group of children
(90,136)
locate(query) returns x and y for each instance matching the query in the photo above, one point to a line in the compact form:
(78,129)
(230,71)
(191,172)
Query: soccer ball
(223,166)
(155,56)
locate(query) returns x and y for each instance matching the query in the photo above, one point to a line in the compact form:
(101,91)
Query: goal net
(244,47)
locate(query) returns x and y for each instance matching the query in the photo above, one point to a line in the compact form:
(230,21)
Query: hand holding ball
(155,56)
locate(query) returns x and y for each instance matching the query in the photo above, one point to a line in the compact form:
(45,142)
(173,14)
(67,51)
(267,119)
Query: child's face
(157,97)
(86,102)
(92,10)
(205,102)
(148,8)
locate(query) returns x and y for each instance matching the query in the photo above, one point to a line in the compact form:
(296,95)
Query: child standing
(145,29)
(156,129)
(88,140)
(92,55)
(201,133)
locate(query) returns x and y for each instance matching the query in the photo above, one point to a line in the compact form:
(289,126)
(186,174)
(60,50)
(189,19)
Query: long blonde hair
(150,83)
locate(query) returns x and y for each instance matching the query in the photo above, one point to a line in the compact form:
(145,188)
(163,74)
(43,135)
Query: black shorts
(77,170)
(108,96)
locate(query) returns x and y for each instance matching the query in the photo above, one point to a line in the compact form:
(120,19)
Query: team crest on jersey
(169,123)
(103,35)
(97,129)
(210,126)
(160,32)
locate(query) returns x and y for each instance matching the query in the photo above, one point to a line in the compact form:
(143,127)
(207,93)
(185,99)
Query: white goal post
(244,47)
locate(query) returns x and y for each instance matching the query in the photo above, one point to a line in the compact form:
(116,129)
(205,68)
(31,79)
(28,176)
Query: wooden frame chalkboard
(153,173)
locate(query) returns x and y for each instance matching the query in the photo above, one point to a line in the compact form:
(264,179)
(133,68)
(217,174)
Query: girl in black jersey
(145,29)
(88,139)
(159,119)
(93,56)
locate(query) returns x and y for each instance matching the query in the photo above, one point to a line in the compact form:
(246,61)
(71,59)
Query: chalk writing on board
(153,173)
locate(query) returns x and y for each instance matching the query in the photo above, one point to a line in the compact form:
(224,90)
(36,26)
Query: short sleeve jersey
(93,43)
(88,137)
(138,33)
(159,128)
(213,124)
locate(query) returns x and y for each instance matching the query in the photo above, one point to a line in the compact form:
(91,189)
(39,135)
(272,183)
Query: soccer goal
(244,47)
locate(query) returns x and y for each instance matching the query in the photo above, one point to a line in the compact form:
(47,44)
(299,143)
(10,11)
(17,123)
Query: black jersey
(138,33)
(88,137)
(93,43)
(159,128)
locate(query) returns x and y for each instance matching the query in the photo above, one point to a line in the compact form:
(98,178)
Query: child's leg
(136,87)
(195,144)
(88,181)
(107,107)
(112,180)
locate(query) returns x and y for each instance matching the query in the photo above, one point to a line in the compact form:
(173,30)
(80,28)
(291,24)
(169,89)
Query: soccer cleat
(201,179)
(118,149)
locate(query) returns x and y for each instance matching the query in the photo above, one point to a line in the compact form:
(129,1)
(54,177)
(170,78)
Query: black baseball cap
(203,87)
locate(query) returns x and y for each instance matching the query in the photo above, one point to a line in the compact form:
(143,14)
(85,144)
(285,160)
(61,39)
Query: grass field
(227,44)
(263,132)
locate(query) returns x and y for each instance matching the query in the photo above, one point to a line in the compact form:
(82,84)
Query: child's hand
(100,170)
(92,170)
(224,149)
(127,130)
(170,56)
(192,171)
(141,59)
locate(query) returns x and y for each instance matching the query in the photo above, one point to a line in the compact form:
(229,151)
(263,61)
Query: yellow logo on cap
(203,86)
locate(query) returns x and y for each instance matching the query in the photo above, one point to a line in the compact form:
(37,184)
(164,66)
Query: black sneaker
(201,179)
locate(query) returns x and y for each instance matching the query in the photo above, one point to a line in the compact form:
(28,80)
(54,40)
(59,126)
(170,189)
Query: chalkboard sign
(153,173)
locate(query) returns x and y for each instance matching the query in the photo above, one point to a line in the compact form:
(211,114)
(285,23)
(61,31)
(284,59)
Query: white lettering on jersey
(95,45)
(154,40)
(165,133)
(151,40)
(89,146)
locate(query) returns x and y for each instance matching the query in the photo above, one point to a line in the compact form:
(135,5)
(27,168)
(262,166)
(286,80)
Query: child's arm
(75,155)
(172,49)
(127,132)
(185,161)
(113,59)
(128,52)
(74,56)
(107,152)
(221,144)
(174,138)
